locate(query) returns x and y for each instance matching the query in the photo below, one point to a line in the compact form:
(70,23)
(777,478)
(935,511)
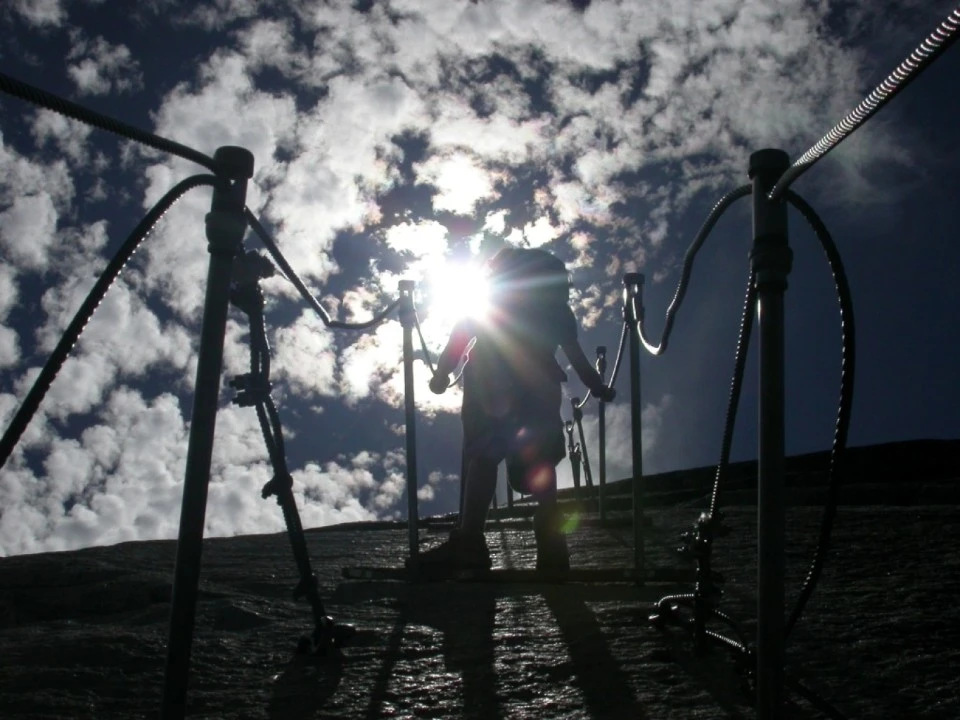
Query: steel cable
(464,358)
(423,345)
(260,366)
(733,403)
(72,110)
(721,207)
(70,336)
(292,276)
(929,50)
(848,361)
(620,348)
(847,367)
(837,455)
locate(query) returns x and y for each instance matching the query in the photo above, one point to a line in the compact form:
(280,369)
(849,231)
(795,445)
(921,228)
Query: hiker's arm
(450,358)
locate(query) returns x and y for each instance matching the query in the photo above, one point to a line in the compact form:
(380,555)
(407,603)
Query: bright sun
(458,290)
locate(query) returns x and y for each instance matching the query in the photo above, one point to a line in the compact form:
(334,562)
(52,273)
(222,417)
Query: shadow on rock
(304,687)
(464,615)
(468,648)
(604,685)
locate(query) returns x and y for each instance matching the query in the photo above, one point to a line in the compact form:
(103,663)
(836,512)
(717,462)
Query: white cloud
(98,67)
(426,239)
(460,182)
(9,291)
(9,347)
(70,136)
(28,228)
(496,222)
(620,439)
(540,232)
(204,113)
(267,42)
(41,12)
(123,478)
(305,356)
(206,118)
(32,196)
(122,328)
(496,138)
(220,13)
(338,166)
(366,361)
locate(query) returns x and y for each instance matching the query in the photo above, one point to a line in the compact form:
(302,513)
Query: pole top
(633,278)
(769,160)
(407,286)
(234,162)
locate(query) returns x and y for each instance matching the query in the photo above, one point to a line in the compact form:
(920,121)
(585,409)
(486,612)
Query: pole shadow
(378,695)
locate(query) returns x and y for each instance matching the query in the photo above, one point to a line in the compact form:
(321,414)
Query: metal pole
(225,225)
(602,426)
(770,261)
(578,419)
(408,321)
(632,313)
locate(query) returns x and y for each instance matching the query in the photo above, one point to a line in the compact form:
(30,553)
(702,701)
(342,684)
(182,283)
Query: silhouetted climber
(511,403)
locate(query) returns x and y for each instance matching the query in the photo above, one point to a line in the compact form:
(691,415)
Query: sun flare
(458,290)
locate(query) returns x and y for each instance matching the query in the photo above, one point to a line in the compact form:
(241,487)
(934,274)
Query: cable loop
(72,110)
(292,276)
(918,60)
(70,336)
(847,368)
(715,214)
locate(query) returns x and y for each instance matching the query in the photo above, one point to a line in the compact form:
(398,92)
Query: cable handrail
(292,276)
(842,426)
(929,50)
(423,345)
(72,110)
(620,348)
(715,214)
(61,352)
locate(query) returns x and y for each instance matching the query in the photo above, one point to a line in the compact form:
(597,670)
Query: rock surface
(83,633)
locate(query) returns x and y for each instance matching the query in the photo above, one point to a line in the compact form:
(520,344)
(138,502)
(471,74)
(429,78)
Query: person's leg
(541,478)
(479,486)
(552,551)
(466,549)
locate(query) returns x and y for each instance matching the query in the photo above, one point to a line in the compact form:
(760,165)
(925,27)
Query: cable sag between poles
(292,276)
(72,110)
(70,336)
(715,214)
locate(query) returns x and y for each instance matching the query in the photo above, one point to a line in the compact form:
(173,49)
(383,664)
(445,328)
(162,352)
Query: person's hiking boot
(552,552)
(462,552)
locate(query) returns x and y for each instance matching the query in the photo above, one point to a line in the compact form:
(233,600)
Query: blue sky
(390,139)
